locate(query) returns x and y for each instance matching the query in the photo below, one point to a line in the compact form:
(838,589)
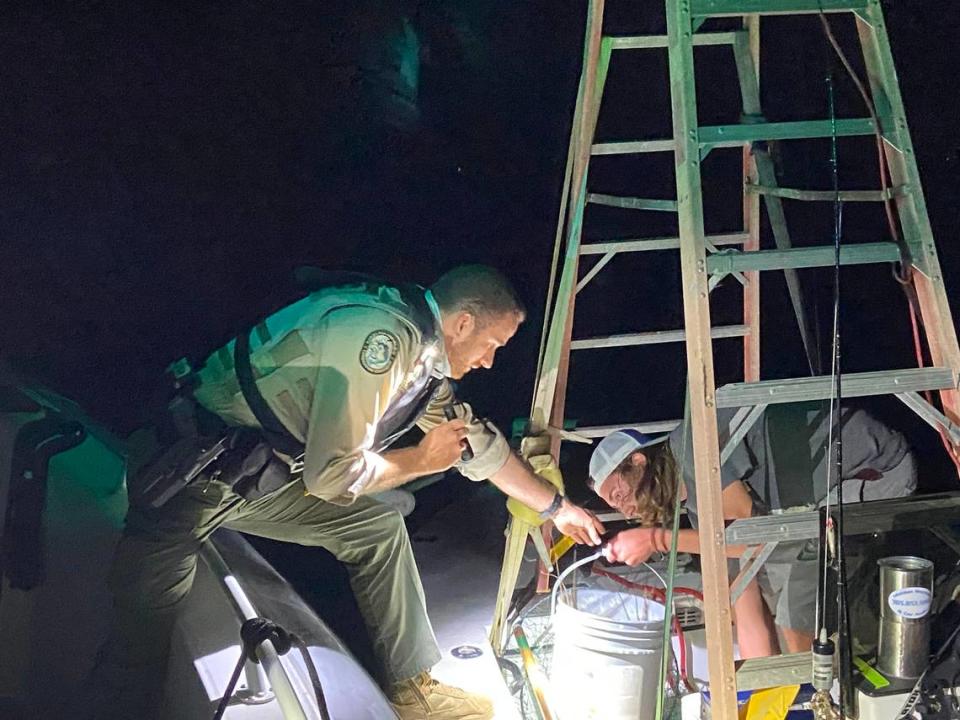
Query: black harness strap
(275,432)
(313,279)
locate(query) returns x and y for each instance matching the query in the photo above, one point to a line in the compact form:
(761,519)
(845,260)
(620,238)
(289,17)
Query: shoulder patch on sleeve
(378,351)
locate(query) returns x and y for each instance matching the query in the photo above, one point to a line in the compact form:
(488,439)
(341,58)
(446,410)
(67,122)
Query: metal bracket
(749,572)
(745,419)
(712,249)
(929,414)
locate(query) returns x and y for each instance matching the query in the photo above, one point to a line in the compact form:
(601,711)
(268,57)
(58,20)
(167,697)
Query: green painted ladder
(705,259)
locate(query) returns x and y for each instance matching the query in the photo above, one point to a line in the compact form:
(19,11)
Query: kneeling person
(340,373)
(781,463)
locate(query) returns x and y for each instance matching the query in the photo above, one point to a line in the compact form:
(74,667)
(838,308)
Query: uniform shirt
(783,458)
(340,368)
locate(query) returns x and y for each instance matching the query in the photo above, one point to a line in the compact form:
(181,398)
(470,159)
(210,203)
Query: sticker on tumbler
(910,602)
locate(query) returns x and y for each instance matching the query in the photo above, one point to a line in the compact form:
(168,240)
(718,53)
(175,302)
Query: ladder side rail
(551,384)
(558,239)
(591,113)
(751,216)
(703,416)
(911,207)
(748,75)
(552,371)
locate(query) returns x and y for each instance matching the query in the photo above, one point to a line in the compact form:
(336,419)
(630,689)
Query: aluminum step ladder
(705,259)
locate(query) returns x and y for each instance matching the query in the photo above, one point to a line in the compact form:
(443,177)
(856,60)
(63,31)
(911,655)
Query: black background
(166,166)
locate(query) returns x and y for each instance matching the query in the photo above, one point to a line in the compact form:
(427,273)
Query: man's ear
(464,324)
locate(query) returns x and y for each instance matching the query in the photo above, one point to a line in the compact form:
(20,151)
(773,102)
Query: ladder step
(775,671)
(935,513)
(646,42)
(782,527)
(655,337)
(716,8)
(806,257)
(827,195)
(632,203)
(883,382)
(599,431)
(739,133)
(631,147)
(878,516)
(660,243)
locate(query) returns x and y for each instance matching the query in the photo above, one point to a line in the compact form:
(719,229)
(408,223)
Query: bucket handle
(590,558)
(561,576)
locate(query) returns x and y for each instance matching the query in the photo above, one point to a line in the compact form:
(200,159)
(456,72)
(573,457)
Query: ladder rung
(782,527)
(631,147)
(827,195)
(595,431)
(806,257)
(656,337)
(775,671)
(883,382)
(919,512)
(660,243)
(878,516)
(632,203)
(739,133)
(646,42)
(715,8)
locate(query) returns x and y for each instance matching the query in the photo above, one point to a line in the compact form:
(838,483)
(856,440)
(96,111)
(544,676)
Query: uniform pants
(156,561)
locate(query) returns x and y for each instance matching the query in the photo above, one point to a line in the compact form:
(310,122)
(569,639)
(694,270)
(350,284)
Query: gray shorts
(789,584)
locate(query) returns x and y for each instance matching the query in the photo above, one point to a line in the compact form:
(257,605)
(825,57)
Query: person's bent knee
(386,537)
(796,639)
(391,527)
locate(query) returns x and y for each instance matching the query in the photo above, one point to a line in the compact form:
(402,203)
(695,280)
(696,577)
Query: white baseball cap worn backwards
(613,450)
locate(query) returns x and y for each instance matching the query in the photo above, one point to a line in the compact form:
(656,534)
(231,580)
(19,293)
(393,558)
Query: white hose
(579,563)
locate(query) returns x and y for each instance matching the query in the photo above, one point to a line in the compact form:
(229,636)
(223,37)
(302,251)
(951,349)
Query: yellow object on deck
(771,704)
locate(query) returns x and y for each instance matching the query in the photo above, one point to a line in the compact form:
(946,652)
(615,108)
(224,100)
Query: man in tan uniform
(341,373)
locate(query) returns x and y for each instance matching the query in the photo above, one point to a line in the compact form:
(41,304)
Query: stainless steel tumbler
(906,588)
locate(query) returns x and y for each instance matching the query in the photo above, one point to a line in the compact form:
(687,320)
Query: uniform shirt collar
(441,367)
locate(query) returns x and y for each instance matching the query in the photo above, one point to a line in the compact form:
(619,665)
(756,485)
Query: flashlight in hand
(466,454)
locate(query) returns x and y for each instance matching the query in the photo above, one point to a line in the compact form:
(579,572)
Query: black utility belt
(240,458)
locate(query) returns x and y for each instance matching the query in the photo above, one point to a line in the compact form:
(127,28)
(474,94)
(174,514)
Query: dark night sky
(167,165)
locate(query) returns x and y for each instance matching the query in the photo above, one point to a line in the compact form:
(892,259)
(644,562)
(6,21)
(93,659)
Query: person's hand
(441,447)
(581,525)
(632,546)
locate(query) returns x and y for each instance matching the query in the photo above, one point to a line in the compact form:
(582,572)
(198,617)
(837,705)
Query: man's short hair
(479,290)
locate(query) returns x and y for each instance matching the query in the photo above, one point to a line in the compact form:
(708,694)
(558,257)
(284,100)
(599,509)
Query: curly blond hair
(654,485)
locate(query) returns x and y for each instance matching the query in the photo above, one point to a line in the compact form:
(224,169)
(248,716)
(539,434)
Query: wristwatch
(553,508)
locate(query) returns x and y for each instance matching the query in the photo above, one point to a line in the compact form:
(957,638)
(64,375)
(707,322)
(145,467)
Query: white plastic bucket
(606,656)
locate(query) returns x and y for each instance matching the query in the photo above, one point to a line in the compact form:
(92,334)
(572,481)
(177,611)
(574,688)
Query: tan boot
(423,698)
